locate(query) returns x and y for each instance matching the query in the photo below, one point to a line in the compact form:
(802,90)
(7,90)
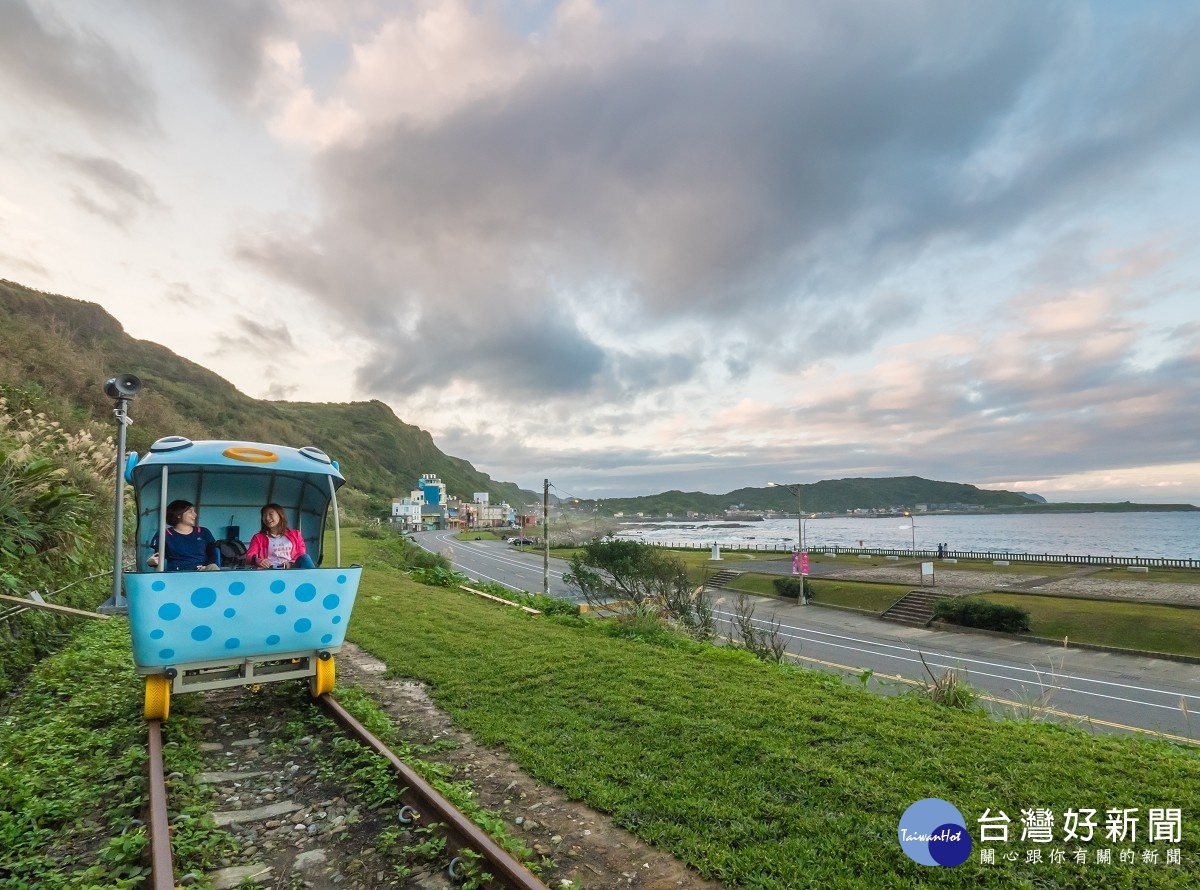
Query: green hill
(828,496)
(56,353)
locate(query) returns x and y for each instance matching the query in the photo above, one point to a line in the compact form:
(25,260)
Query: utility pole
(546,537)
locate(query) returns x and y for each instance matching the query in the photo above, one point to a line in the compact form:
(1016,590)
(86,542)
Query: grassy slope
(1146,626)
(758,776)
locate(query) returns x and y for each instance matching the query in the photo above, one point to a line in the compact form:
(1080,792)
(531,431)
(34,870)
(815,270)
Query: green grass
(478,536)
(72,773)
(857,594)
(1147,626)
(760,776)
(1166,576)
(872,597)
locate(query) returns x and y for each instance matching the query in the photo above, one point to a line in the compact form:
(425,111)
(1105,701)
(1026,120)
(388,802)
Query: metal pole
(162,521)
(118,598)
(546,537)
(337,522)
(799,519)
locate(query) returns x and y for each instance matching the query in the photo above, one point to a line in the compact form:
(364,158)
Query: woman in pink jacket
(277,546)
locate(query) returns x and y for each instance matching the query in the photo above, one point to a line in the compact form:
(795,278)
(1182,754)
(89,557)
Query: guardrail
(1064,558)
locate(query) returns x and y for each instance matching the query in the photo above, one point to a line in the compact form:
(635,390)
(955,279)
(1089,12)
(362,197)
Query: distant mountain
(57,352)
(829,496)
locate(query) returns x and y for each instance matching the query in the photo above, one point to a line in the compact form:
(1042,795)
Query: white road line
(933,660)
(967,659)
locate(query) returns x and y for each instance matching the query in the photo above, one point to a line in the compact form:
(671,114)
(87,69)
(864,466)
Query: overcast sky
(637,246)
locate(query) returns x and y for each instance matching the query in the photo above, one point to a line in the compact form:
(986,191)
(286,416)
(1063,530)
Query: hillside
(60,351)
(827,496)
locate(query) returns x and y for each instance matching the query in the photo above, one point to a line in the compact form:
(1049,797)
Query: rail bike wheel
(158,697)
(322,681)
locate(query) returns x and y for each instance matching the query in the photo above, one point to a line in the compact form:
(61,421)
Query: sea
(1173,535)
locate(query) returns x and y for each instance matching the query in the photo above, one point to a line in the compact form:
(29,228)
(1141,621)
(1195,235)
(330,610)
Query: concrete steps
(721,578)
(915,608)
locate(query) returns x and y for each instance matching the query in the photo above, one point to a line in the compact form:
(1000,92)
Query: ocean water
(1147,535)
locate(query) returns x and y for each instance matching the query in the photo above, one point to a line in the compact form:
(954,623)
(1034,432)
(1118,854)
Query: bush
(790,587)
(981,614)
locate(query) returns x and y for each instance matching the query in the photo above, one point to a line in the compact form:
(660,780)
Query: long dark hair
(175,511)
(283,526)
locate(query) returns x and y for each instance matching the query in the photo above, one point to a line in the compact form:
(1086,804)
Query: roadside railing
(992,555)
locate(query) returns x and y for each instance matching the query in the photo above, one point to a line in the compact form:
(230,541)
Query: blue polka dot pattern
(181,619)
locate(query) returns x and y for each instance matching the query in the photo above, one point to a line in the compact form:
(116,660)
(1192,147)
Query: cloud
(73,68)
(255,337)
(227,37)
(679,183)
(115,193)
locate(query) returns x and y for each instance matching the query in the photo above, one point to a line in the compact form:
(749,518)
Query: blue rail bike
(241,625)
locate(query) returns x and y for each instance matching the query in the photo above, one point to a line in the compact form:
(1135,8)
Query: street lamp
(794,489)
(913,524)
(804,524)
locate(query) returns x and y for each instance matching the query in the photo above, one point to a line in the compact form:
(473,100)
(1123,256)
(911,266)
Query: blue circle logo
(934,832)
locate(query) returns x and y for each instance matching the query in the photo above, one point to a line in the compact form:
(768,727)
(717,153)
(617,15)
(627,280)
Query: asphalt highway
(1101,691)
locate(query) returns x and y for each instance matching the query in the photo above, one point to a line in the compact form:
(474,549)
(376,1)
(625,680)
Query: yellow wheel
(322,681)
(158,697)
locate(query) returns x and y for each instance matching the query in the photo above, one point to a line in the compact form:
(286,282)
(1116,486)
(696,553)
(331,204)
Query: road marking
(873,647)
(1003,701)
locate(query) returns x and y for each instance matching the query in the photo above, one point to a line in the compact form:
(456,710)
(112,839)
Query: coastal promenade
(1091,582)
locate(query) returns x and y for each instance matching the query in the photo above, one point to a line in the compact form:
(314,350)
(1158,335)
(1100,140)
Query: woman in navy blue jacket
(189,546)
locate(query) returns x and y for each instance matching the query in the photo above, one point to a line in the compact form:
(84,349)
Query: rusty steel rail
(459,831)
(162,869)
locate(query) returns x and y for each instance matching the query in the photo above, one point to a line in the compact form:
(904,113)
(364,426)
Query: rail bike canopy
(230,482)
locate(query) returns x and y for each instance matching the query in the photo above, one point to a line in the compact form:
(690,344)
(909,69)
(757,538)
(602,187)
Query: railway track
(422,807)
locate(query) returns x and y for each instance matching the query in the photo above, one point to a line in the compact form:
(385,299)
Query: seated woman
(189,546)
(277,546)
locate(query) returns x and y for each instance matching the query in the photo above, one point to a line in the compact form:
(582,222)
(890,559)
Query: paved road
(1104,691)
(497,561)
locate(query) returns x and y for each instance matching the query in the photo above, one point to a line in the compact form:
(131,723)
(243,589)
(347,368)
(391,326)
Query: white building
(407,511)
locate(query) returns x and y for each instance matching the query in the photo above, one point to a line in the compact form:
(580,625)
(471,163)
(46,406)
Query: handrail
(1066,558)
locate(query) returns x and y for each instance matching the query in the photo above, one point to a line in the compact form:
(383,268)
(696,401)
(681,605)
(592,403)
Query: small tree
(767,643)
(631,578)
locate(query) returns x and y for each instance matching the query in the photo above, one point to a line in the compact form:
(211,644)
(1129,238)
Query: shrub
(790,587)
(979,613)
(55,526)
